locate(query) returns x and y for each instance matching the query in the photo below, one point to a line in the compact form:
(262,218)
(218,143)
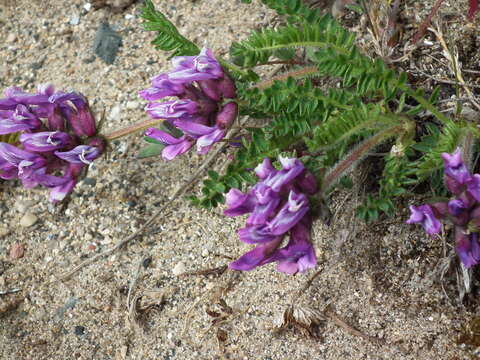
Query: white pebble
(179,269)
(28,220)
(132,105)
(204,252)
(87,6)
(115,113)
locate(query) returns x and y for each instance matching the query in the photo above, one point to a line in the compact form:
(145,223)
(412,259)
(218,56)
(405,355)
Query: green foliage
(261,45)
(331,130)
(168,38)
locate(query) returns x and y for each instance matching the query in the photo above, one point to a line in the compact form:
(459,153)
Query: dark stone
(38,65)
(79,330)
(90,181)
(146,263)
(107,43)
(89,60)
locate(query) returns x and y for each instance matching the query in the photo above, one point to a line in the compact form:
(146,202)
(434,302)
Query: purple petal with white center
(172,151)
(15,156)
(424,216)
(256,234)
(455,167)
(162,136)
(45,89)
(171,109)
(45,141)
(81,154)
(259,256)
(238,203)
(195,68)
(58,193)
(290,214)
(292,168)
(192,128)
(18,120)
(205,142)
(267,202)
(264,169)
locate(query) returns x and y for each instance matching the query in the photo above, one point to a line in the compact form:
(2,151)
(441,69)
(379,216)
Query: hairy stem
(132,128)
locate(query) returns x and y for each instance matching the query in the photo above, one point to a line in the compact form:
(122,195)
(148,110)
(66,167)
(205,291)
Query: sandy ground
(380,279)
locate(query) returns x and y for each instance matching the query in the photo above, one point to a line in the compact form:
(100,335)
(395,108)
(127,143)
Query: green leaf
(151,150)
(168,38)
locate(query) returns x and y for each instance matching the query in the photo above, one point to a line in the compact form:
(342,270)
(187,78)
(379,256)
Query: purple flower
(175,146)
(81,119)
(291,169)
(455,167)
(238,203)
(24,162)
(81,154)
(298,255)
(206,136)
(227,115)
(256,234)
(18,120)
(195,68)
(45,141)
(473,186)
(266,204)
(259,256)
(210,88)
(227,87)
(290,214)
(162,87)
(424,216)
(174,109)
(467,248)
(456,207)
(264,169)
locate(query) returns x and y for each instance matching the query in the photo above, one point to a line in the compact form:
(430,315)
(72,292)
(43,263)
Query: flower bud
(210,88)
(227,87)
(227,115)
(82,121)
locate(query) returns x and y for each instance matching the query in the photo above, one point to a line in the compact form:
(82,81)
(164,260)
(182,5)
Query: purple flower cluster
(463,210)
(278,205)
(57,137)
(198,111)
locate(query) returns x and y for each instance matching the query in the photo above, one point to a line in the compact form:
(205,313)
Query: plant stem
(309,70)
(132,128)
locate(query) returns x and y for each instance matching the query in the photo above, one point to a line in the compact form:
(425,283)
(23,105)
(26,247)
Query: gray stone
(107,43)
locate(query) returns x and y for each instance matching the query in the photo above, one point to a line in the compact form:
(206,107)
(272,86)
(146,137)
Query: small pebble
(179,269)
(132,105)
(75,19)
(147,262)
(87,6)
(204,252)
(28,220)
(115,113)
(22,206)
(11,38)
(79,330)
(17,251)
